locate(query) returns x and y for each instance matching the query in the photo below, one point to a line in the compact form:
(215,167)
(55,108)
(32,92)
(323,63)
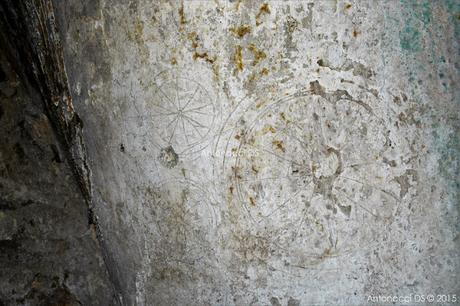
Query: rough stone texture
(270,153)
(29,34)
(49,254)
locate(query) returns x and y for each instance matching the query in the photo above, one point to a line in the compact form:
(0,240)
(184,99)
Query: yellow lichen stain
(139,31)
(215,69)
(238,58)
(314,167)
(241,30)
(279,145)
(326,253)
(258,54)
(252,77)
(264,71)
(236,171)
(182,19)
(237,6)
(264,9)
(204,56)
(268,128)
(283,116)
(193,37)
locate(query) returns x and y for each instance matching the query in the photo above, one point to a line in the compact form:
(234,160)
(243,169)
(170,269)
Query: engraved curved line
(269,108)
(282,205)
(296,125)
(209,211)
(177,93)
(159,114)
(357,204)
(273,153)
(244,205)
(372,186)
(360,103)
(263,112)
(358,164)
(164,108)
(171,122)
(197,108)
(198,124)
(304,217)
(174,130)
(183,129)
(194,192)
(194,126)
(346,143)
(322,131)
(191,98)
(221,131)
(302,143)
(166,96)
(274,178)
(190,147)
(197,112)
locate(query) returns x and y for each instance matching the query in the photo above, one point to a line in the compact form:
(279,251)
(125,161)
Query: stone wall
(49,253)
(270,153)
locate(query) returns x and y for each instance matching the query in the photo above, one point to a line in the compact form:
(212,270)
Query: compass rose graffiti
(183,113)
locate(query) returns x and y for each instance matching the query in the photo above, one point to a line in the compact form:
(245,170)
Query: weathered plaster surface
(270,153)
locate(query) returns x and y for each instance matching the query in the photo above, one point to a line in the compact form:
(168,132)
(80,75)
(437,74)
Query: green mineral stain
(410,38)
(449,160)
(453,9)
(409,35)
(418,19)
(426,12)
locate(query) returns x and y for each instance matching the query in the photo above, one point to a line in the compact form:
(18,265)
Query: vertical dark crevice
(30,39)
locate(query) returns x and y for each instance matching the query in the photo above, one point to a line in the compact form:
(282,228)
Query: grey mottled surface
(49,254)
(283,153)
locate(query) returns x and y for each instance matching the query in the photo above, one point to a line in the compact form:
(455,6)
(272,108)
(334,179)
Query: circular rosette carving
(182,112)
(303,168)
(181,220)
